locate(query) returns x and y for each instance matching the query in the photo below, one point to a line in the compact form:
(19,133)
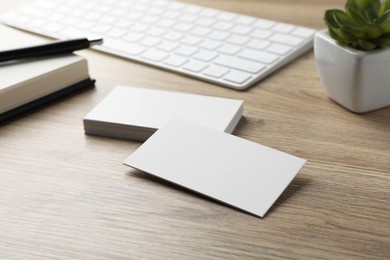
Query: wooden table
(66,195)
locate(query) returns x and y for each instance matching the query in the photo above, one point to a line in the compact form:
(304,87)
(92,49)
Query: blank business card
(136,113)
(227,168)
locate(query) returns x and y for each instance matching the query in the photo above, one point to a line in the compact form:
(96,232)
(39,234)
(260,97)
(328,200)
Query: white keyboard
(221,47)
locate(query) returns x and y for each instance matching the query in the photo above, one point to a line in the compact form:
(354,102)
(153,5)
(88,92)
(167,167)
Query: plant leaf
(376,5)
(372,31)
(367,45)
(355,15)
(329,18)
(355,31)
(385,17)
(336,37)
(384,42)
(370,15)
(384,7)
(385,26)
(342,18)
(347,35)
(363,5)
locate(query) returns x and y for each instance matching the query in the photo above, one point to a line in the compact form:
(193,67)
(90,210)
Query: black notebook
(26,84)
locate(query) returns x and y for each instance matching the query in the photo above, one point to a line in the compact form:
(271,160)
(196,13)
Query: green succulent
(364,25)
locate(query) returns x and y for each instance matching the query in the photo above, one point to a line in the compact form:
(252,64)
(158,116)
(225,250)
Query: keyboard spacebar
(240,64)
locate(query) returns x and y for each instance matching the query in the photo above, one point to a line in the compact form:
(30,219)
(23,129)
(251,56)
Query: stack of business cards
(227,168)
(136,113)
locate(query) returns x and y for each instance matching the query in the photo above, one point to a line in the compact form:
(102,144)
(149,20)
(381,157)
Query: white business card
(227,168)
(136,113)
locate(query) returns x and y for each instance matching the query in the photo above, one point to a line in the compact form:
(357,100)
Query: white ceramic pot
(357,80)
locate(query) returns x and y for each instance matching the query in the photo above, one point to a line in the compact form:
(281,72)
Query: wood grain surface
(66,195)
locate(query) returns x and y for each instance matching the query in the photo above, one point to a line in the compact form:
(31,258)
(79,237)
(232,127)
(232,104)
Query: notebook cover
(6,116)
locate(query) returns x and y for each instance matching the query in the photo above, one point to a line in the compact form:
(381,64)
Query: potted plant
(351,55)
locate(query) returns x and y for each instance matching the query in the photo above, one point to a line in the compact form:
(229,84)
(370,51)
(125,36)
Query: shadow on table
(295,186)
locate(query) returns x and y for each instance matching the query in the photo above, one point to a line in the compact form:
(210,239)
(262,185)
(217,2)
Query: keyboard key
(100,28)
(125,47)
(78,12)
(258,44)
(261,34)
(92,16)
(74,33)
(241,29)
(85,25)
(208,12)
(70,21)
(303,32)
(168,46)
(166,23)
(238,39)
(116,11)
(155,10)
(195,66)
(186,50)
(176,60)
(125,4)
(116,32)
(149,19)
(37,12)
(100,9)
(173,36)
(139,27)
(203,21)
(210,44)
(156,31)
(205,55)
(176,6)
(37,22)
(192,9)
(223,26)
(123,23)
(245,20)
(191,40)
(160,3)
(200,31)
(134,16)
(56,17)
(283,27)
(286,39)
(171,14)
(134,36)
(150,41)
(259,56)
(154,55)
(279,49)
(215,71)
(226,16)
(219,35)
(229,49)
(238,63)
(263,24)
(237,77)
(188,18)
(52,27)
(183,27)
(140,7)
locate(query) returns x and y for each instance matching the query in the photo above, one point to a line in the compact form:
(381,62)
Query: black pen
(52,48)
